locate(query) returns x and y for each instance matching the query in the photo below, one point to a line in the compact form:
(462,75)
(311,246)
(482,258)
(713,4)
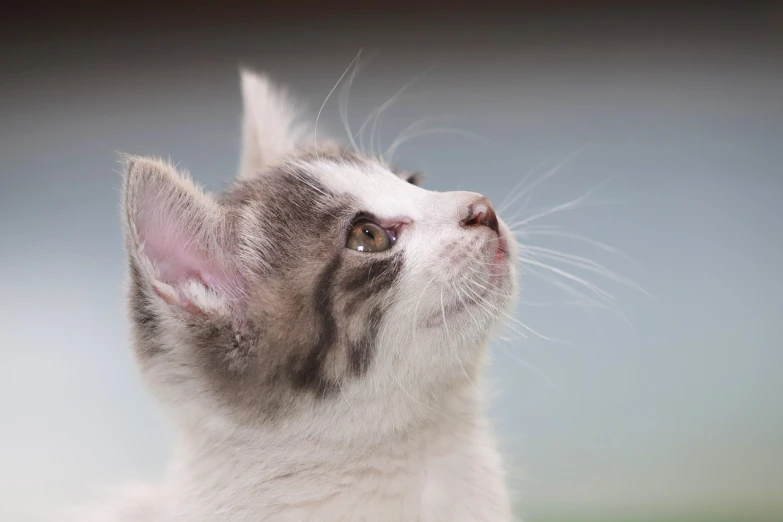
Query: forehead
(370,184)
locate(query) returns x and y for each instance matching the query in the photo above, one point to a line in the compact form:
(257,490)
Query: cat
(316,334)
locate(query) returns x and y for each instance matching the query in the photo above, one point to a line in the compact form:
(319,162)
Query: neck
(271,472)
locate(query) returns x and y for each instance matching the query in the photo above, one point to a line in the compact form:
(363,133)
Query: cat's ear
(271,128)
(179,238)
(412,177)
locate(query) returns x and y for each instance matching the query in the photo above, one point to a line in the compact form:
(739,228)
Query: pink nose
(481,213)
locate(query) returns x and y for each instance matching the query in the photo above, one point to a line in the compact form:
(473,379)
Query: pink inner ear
(175,261)
(173,244)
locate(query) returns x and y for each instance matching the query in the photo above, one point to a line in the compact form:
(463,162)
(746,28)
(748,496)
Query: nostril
(481,213)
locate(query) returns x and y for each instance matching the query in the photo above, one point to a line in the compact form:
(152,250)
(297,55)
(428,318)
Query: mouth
(472,295)
(498,267)
(468,299)
(500,253)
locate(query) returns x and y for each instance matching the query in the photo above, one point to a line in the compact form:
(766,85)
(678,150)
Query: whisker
(459,359)
(548,304)
(551,172)
(358,134)
(516,188)
(567,275)
(604,304)
(530,366)
(555,232)
(318,116)
(522,224)
(401,135)
(388,103)
(492,311)
(574,203)
(443,311)
(415,340)
(391,151)
(344,94)
(416,309)
(585,264)
(515,320)
(522,361)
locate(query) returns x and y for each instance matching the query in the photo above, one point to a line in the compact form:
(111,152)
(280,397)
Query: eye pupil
(368,237)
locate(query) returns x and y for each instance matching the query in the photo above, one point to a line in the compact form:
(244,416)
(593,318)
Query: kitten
(316,334)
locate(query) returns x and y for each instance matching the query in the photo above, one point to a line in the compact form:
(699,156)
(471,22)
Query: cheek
(446,256)
(461,255)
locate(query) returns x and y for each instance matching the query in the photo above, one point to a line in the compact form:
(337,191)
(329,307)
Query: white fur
(406,442)
(448,472)
(270,128)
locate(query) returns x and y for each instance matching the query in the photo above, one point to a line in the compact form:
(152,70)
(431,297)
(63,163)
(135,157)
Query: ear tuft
(270,124)
(178,235)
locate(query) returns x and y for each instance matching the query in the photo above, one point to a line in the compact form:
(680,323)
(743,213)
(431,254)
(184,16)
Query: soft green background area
(676,412)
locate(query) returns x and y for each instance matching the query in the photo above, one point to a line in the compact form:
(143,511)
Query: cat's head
(321,285)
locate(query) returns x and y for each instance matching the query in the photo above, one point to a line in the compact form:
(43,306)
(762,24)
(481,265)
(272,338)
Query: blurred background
(667,118)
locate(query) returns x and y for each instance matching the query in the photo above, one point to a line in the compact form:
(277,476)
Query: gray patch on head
(377,276)
(308,371)
(361,352)
(145,321)
(313,310)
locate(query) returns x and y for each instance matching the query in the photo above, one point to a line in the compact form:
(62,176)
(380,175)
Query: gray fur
(307,380)
(310,309)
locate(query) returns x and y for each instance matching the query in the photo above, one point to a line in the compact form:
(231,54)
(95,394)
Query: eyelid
(393,231)
(388,223)
(392,227)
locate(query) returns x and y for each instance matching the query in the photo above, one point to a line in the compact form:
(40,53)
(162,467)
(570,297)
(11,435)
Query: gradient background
(676,414)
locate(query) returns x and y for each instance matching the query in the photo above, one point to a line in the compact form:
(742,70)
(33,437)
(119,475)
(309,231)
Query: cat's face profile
(321,285)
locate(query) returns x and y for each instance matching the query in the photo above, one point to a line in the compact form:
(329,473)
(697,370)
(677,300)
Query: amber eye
(368,237)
